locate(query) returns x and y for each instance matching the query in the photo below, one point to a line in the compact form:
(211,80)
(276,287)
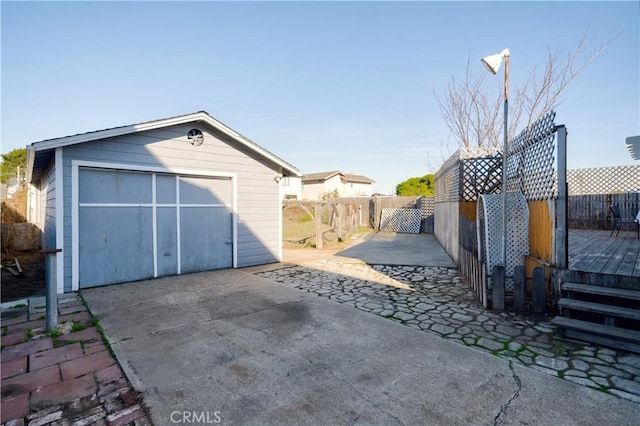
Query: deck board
(596,251)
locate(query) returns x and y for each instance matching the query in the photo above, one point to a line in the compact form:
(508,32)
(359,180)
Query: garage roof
(39,154)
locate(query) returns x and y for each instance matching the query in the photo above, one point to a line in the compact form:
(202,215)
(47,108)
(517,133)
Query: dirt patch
(31,282)
(14,209)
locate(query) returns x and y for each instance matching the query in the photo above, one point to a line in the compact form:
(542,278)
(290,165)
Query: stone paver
(88,363)
(436,300)
(14,367)
(61,379)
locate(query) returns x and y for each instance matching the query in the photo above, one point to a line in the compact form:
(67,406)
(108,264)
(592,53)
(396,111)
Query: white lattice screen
(490,232)
(604,180)
(401,220)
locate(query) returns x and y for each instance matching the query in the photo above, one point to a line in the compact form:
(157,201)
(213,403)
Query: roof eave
(151,125)
(31,158)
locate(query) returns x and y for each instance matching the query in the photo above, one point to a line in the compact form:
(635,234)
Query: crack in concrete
(498,419)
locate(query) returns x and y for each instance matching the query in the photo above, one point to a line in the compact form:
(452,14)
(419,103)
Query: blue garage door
(135,225)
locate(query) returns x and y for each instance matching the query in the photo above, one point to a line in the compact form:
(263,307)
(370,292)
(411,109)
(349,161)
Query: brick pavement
(68,377)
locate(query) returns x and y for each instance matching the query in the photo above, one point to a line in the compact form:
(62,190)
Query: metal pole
(504,162)
(52,290)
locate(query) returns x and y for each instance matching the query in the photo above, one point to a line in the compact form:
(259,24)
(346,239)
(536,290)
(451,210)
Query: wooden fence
(472,270)
(592,211)
(370,209)
(327,221)
(339,218)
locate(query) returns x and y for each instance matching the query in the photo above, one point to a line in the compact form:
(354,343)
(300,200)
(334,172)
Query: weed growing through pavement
(96,323)
(78,327)
(55,334)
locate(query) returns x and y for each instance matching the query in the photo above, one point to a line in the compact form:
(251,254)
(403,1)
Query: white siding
(315,191)
(291,188)
(354,189)
(258,203)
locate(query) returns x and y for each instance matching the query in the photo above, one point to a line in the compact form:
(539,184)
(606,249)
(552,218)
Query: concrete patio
(234,345)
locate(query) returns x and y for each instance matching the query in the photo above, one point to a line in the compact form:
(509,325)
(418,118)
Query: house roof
(633,146)
(40,153)
(324,176)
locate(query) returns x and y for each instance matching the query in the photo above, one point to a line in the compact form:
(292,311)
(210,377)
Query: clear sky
(325,85)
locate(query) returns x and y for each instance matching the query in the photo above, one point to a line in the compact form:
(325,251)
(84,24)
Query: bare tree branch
(474,118)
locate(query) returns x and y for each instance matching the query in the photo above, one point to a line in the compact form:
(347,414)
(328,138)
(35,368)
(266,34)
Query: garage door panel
(166,189)
(198,190)
(109,186)
(167,241)
(116,245)
(128,233)
(205,238)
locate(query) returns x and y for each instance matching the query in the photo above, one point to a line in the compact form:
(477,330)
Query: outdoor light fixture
(277,177)
(492,62)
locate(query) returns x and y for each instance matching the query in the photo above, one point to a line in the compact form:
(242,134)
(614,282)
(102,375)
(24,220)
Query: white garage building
(165,197)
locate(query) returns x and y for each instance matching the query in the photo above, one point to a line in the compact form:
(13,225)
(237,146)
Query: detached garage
(165,197)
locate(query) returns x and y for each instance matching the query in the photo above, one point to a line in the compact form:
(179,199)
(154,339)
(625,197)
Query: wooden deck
(595,251)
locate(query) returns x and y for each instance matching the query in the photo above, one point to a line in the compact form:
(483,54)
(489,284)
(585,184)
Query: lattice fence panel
(401,220)
(447,180)
(481,176)
(451,178)
(427,206)
(531,160)
(490,233)
(604,180)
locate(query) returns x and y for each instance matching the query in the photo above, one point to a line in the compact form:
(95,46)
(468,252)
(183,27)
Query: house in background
(291,188)
(315,186)
(164,197)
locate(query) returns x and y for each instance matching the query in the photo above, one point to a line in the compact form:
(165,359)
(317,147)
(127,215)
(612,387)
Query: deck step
(602,291)
(621,338)
(614,311)
(590,328)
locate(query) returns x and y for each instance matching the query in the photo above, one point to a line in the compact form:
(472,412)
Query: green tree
(327,195)
(417,186)
(10,163)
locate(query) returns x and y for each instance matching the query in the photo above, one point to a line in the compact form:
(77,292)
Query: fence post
(376,213)
(340,214)
(519,289)
(318,222)
(52,288)
(562,235)
(539,289)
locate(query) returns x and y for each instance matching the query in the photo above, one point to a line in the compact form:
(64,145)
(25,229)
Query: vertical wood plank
(539,287)
(318,223)
(498,288)
(485,297)
(519,289)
